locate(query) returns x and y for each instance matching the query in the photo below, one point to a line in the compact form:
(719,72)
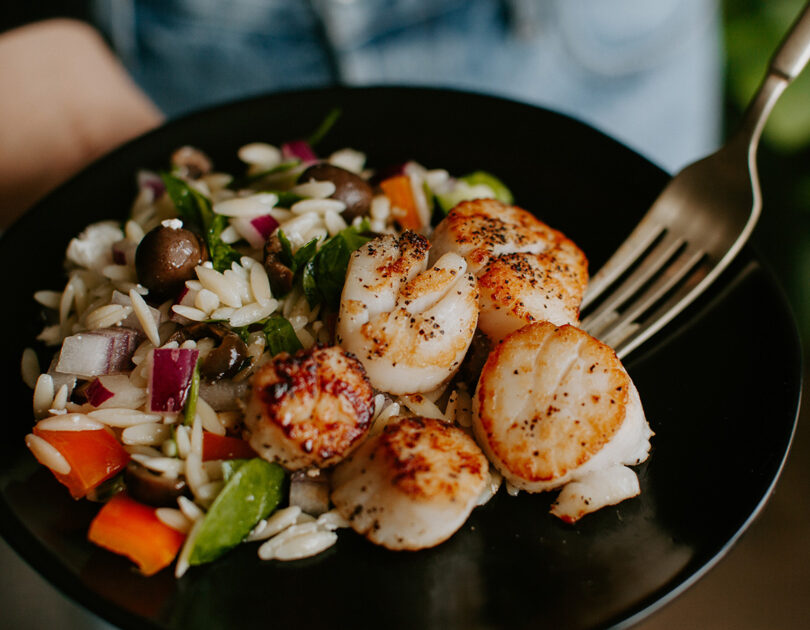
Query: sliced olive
(166,258)
(279,274)
(225,359)
(350,188)
(147,487)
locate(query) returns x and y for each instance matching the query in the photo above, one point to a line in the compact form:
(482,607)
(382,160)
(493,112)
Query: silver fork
(695,228)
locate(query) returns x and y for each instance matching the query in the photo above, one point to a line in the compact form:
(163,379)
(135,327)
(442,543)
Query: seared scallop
(309,409)
(526,270)
(409,325)
(555,405)
(413,485)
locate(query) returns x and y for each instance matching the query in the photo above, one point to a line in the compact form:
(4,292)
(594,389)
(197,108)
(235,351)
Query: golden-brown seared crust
(482,228)
(410,248)
(410,326)
(310,408)
(411,486)
(531,287)
(428,459)
(549,398)
(526,271)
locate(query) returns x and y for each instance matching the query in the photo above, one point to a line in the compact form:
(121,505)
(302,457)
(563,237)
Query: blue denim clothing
(648,73)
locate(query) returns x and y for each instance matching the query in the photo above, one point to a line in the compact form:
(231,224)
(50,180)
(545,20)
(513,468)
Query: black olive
(279,274)
(166,258)
(350,188)
(147,487)
(225,359)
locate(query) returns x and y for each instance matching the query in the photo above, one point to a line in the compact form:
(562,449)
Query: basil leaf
(286,255)
(285,197)
(300,258)
(280,335)
(193,207)
(325,273)
(278,332)
(310,285)
(222,255)
(304,254)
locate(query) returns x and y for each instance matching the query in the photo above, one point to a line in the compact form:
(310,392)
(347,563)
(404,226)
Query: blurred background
(764,582)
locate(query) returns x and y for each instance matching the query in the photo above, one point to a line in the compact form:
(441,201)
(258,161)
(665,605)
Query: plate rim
(59,576)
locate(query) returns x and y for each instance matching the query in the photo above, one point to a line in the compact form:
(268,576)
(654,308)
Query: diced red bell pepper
(224,447)
(129,528)
(94,456)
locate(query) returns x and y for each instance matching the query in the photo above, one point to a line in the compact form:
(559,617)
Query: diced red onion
(298,149)
(170,378)
(96,352)
(186,298)
(123,252)
(125,395)
(255,230)
(152,182)
(97,393)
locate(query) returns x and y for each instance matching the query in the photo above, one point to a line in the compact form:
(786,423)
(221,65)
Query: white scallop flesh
(411,486)
(554,405)
(409,325)
(526,270)
(594,491)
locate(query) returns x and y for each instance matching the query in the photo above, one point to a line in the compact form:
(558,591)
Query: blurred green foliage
(753,29)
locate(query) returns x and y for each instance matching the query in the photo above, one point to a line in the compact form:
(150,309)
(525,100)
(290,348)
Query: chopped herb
(325,273)
(190,409)
(303,255)
(280,335)
(325,127)
(249,180)
(285,197)
(278,332)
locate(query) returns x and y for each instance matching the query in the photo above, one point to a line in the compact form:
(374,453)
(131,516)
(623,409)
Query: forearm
(65,101)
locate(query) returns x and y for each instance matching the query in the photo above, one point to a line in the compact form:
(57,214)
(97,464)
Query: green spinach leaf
(325,273)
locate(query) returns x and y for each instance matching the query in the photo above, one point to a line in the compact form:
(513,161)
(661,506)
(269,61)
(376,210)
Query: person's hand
(66,101)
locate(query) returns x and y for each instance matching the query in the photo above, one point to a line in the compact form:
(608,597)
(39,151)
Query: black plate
(720,388)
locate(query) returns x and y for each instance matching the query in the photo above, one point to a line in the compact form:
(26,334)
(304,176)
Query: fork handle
(786,64)
(794,51)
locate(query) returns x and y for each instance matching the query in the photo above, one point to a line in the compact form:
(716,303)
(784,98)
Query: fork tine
(669,279)
(624,342)
(652,263)
(640,239)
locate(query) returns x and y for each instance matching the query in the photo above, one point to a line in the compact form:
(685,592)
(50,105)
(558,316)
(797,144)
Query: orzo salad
(316,344)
